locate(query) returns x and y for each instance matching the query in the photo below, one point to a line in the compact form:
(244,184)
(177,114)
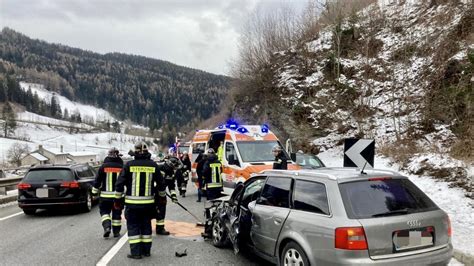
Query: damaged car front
(228,219)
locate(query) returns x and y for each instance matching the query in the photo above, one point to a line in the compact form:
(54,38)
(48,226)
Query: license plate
(413,238)
(42,193)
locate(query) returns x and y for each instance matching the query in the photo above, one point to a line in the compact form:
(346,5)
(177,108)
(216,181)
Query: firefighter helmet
(113,152)
(174,162)
(141,147)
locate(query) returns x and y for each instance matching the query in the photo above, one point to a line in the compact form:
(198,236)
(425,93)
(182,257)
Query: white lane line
(111,253)
(10,216)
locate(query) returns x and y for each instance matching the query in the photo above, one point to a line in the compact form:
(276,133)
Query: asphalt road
(62,237)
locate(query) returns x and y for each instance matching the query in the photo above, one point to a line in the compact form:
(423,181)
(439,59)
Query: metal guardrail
(11,181)
(8,182)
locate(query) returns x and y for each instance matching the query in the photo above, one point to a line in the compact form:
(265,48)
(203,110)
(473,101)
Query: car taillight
(379,178)
(22,186)
(450,229)
(70,184)
(352,238)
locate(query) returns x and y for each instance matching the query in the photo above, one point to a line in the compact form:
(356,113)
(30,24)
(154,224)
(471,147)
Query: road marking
(111,253)
(10,216)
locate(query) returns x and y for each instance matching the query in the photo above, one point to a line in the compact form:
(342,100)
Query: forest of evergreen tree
(151,92)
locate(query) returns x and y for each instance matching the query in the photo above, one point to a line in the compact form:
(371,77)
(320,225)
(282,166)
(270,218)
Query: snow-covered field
(452,200)
(53,138)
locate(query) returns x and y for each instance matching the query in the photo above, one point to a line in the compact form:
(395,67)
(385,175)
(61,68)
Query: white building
(82,157)
(45,156)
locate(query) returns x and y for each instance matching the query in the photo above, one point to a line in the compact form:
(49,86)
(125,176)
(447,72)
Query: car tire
(219,233)
(29,211)
(293,254)
(87,206)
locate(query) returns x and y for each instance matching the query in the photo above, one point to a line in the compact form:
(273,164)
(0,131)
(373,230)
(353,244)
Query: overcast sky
(195,33)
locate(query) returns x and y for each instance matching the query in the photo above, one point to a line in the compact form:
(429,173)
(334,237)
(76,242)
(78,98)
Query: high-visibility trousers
(139,228)
(106,206)
(160,215)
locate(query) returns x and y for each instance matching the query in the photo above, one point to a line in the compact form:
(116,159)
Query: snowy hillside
(398,70)
(52,137)
(88,113)
(34,130)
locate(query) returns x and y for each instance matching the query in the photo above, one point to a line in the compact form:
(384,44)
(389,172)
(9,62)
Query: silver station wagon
(332,216)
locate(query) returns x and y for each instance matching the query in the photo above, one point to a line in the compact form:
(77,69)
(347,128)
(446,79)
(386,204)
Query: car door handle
(277,220)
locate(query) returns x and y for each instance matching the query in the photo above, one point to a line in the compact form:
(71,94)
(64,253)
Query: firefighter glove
(174,198)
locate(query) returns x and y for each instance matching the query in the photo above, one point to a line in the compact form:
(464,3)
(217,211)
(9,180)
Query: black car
(50,186)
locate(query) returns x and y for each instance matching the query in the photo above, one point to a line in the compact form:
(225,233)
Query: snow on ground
(86,111)
(54,138)
(452,200)
(28,116)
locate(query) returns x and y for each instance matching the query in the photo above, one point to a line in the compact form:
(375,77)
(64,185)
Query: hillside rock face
(391,56)
(398,71)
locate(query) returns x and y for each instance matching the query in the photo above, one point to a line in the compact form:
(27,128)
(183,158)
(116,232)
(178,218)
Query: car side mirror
(293,156)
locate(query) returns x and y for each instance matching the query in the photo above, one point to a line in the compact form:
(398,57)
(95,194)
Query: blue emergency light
(265,128)
(242,130)
(232,124)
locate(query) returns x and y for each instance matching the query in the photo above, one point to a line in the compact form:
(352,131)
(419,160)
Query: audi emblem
(414,223)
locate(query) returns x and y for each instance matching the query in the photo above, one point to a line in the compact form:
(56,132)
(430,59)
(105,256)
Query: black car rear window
(378,198)
(49,175)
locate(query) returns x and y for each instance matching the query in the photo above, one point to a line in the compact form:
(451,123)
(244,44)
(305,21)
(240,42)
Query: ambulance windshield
(256,151)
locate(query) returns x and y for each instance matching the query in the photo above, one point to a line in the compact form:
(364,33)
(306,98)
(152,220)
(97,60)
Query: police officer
(144,185)
(212,171)
(105,184)
(280,161)
(168,169)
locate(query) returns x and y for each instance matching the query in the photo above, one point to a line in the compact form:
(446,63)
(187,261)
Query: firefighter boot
(107,231)
(160,230)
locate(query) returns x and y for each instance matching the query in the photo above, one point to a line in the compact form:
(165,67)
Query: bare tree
(16,153)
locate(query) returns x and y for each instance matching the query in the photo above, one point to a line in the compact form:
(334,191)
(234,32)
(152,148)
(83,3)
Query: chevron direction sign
(358,152)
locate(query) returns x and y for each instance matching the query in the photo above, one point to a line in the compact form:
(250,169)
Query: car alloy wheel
(217,232)
(89,201)
(293,257)
(87,206)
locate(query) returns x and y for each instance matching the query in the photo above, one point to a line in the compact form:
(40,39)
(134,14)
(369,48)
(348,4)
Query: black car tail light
(70,184)
(23,186)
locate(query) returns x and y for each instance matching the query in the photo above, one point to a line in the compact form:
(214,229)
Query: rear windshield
(390,197)
(49,175)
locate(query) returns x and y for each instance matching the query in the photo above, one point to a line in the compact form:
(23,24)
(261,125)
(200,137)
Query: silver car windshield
(257,151)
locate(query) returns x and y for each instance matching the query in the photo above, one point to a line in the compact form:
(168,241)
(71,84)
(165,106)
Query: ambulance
(247,149)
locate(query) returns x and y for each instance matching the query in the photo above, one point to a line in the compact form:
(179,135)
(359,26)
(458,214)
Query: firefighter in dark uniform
(183,176)
(280,158)
(144,186)
(168,169)
(105,184)
(200,160)
(212,173)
